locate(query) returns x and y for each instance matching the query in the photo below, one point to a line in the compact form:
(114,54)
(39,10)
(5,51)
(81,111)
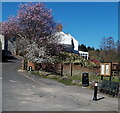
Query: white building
(2,40)
(68,40)
(71,43)
(85,55)
(74,42)
(7,44)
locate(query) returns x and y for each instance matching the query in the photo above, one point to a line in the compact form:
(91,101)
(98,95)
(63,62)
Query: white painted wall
(2,41)
(84,54)
(75,42)
(63,38)
(66,39)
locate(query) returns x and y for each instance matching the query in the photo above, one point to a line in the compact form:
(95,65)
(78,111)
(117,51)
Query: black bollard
(95,91)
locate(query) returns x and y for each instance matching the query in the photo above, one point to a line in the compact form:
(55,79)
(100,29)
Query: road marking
(33,80)
(0,78)
(12,81)
(24,102)
(33,86)
(20,70)
(28,89)
(77,94)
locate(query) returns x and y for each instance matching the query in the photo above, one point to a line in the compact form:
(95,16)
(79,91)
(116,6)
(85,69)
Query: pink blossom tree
(10,28)
(33,23)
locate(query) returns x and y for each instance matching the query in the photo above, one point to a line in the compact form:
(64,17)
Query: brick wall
(77,70)
(31,64)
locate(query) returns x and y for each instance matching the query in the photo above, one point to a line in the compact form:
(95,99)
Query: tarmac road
(23,92)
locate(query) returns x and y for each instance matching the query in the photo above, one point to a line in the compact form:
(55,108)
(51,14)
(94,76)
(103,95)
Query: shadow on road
(9,59)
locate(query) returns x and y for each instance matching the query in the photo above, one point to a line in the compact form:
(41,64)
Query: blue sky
(88,22)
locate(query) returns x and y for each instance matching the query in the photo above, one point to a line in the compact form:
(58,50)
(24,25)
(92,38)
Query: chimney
(59,28)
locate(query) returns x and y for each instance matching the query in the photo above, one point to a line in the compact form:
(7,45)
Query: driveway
(26,92)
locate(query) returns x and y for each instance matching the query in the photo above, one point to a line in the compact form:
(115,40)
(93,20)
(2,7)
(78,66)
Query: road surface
(23,92)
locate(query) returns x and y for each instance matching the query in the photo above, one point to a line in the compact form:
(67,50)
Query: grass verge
(68,80)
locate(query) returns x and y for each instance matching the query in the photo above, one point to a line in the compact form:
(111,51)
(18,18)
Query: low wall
(77,70)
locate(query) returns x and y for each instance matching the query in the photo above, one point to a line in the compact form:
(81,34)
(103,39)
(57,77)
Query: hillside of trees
(108,50)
